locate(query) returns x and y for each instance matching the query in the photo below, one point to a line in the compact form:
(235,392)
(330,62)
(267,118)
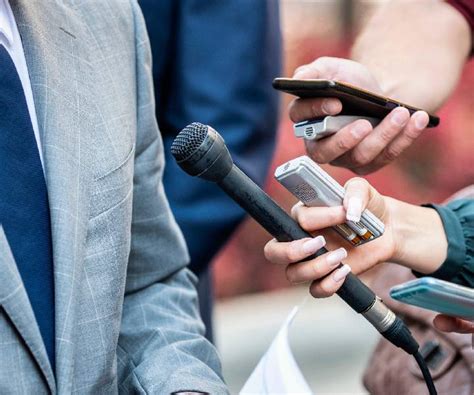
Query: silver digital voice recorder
(318,128)
(316,188)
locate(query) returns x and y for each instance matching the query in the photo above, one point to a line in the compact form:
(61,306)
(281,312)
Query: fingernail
(313,245)
(359,130)
(335,257)
(421,120)
(341,273)
(354,209)
(400,117)
(330,107)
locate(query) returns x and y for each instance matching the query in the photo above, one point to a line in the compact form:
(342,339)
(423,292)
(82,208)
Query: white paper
(277,372)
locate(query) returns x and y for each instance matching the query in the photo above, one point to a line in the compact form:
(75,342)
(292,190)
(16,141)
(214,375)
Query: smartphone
(315,188)
(318,128)
(355,101)
(437,295)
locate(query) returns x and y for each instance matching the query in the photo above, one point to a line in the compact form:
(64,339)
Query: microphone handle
(280,225)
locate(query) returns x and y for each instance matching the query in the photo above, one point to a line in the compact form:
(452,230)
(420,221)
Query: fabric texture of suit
(126,312)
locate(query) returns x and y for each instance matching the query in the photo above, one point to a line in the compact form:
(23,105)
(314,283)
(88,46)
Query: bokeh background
(253,295)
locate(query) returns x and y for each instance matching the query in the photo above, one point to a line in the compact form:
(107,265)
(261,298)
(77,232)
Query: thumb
(453,324)
(360,195)
(307,72)
(324,67)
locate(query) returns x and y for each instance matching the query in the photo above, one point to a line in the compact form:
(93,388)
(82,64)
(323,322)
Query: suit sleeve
(161,345)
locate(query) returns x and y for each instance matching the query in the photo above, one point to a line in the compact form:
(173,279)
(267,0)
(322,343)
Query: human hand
(357,146)
(413,236)
(446,323)
(359,195)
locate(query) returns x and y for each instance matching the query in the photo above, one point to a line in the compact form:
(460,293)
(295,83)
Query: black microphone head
(200,151)
(188,140)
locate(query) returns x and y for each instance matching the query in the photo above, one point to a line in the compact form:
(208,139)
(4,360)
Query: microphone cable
(426,373)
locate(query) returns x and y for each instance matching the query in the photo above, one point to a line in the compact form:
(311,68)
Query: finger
(453,324)
(326,150)
(415,126)
(356,198)
(315,268)
(307,71)
(369,198)
(314,70)
(328,67)
(391,126)
(284,253)
(315,218)
(330,284)
(304,109)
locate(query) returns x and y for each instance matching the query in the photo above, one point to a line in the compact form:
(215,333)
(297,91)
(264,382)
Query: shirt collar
(6,21)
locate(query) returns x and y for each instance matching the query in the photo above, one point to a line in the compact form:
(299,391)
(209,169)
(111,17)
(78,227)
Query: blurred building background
(253,295)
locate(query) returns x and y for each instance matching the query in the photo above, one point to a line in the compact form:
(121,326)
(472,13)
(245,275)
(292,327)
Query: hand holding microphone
(413,237)
(200,151)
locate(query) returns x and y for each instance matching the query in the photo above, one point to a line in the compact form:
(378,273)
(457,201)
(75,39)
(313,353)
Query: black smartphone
(355,101)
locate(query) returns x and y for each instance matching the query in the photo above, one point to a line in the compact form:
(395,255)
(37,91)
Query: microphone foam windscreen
(188,140)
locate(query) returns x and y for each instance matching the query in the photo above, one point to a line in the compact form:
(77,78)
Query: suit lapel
(15,303)
(55,50)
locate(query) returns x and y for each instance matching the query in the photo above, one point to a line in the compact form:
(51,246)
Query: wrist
(420,241)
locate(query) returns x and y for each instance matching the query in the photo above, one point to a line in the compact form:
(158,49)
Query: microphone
(200,151)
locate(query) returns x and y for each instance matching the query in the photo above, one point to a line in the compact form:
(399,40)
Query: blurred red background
(437,165)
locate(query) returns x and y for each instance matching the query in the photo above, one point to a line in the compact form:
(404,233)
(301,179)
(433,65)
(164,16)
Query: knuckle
(296,110)
(290,275)
(267,250)
(318,156)
(296,210)
(292,254)
(316,107)
(318,290)
(389,154)
(387,134)
(316,270)
(322,59)
(359,158)
(305,222)
(411,133)
(314,289)
(333,217)
(321,63)
(291,111)
(343,145)
(326,288)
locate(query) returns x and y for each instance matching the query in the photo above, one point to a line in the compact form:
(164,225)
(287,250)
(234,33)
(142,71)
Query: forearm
(415,50)
(161,347)
(419,236)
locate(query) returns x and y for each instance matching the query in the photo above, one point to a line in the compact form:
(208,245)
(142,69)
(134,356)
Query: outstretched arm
(415,50)
(435,240)
(412,51)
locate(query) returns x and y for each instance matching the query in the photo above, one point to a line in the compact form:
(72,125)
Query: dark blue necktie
(24,208)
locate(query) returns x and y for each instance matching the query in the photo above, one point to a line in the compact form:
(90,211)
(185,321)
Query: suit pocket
(114,187)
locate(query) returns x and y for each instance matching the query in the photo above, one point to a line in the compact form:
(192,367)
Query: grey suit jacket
(126,314)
